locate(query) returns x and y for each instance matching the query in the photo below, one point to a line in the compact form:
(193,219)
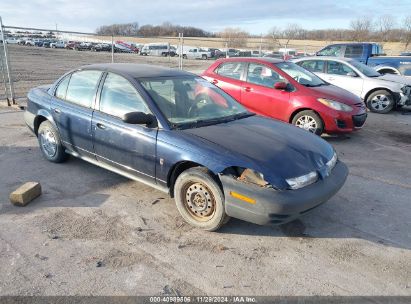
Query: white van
(156,49)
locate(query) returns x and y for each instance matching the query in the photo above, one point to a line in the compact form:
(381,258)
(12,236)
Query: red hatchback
(286,91)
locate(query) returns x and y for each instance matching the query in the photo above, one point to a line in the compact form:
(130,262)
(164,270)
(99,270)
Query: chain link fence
(30,57)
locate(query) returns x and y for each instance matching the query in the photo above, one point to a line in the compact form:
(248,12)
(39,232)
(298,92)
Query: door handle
(331,78)
(248,89)
(100,126)
(215,81)
(57,111)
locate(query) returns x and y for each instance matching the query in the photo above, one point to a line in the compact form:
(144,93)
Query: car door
(72,108)
(228,77)
(128,147)
(259,95)
(343,76)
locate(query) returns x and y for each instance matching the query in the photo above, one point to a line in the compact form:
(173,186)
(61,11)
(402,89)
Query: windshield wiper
(207,122)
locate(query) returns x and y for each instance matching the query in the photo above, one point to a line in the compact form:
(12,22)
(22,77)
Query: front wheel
(310,121)
(50,143)
(199,199)
(380,101)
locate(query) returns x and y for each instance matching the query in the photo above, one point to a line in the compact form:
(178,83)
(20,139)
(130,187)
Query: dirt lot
(93,232)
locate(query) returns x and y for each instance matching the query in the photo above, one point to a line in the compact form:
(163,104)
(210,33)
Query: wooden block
(25,194)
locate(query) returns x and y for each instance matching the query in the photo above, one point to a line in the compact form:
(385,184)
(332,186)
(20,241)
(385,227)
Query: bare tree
(275,34)
(385,24)
(406,30)
(234,37)
(291,32)
(361,28)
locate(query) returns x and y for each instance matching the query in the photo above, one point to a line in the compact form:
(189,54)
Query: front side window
(62,88)
(191,100)
(332,50)
(232,70)
(82,87)
(262,75)
(119,97)
(338,68)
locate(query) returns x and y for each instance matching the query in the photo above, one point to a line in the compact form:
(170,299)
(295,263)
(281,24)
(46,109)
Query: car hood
(276,149)
(395,78)
(335,93)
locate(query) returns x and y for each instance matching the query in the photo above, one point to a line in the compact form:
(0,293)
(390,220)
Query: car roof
(137,70)
(253,59)
(323,58)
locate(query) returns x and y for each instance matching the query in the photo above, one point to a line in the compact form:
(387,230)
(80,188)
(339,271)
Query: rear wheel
(204,57)
(310,121)
(50,143)
(199,199)
(380,101)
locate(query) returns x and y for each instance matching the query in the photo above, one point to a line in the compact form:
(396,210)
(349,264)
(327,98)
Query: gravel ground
(93,232)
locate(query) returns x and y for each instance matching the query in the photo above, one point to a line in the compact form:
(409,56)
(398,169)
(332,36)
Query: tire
(184,56)
(50,143)
(204,57)
(381,101)
(310,121)
(207,212)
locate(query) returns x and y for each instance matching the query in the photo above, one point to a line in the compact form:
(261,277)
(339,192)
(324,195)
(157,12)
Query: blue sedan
(178,133)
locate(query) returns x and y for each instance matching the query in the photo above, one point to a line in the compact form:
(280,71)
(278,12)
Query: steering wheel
(193,110)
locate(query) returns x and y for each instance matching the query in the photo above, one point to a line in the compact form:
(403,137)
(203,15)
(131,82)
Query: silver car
(381,93)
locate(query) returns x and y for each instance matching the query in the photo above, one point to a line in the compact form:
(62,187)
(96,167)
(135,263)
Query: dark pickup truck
(372,55)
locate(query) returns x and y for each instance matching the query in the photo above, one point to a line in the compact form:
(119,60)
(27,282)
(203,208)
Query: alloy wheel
(48,143)
(380,102)
(307,123)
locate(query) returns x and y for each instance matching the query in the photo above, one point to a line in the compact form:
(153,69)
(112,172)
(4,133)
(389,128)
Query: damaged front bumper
(404,98)
(264,206)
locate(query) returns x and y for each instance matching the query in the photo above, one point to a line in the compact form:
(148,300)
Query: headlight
(332,162)
(302,181)
(335,105)
(253,177)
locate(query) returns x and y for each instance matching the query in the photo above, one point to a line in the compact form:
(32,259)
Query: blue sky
(256,16)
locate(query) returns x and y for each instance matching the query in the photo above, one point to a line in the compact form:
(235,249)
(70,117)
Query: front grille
(359,120)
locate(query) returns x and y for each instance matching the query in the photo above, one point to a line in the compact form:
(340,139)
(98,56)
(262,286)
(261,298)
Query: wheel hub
(380,102)
(307,123)
(48,142)
(199,200)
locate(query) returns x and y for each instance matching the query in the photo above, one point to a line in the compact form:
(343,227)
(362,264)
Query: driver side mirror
(280,85)
(352,74)
(140,118)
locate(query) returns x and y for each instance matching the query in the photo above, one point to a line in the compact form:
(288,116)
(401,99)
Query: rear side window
(119,97)
(82,87)
(332,50)
(62,87)
(232,70)
(353,51)
(313,65)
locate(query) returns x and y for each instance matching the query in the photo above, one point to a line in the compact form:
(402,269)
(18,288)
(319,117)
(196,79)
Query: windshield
(301,75)
(367,71)
(192,101)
